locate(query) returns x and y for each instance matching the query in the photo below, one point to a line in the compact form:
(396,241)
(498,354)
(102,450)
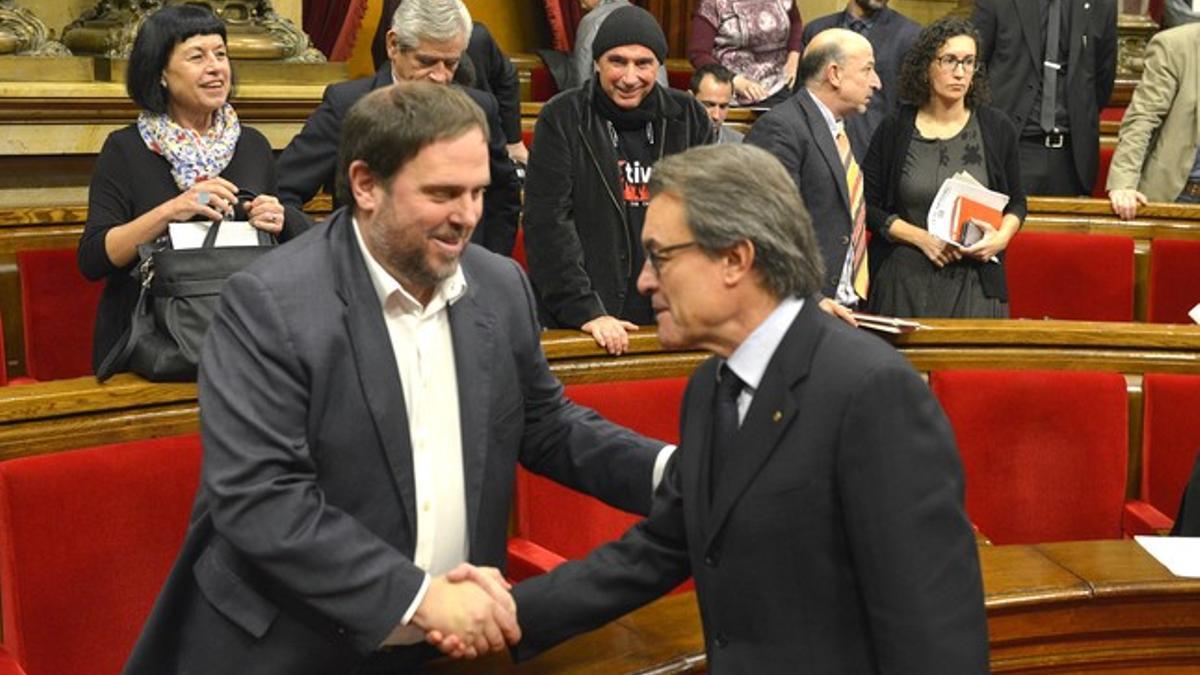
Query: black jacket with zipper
(577,236)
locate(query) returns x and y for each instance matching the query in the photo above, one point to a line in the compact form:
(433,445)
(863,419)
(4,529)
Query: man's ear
(389,41)
(363,183)
(739,262)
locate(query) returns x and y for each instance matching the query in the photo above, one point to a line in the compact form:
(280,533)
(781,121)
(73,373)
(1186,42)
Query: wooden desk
(1066,608)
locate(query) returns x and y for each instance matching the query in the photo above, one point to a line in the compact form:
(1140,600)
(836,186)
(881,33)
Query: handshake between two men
(469,612)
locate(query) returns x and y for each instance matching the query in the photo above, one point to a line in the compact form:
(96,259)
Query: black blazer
(836,543)
(795,132)
(577,233)
(1011,49)
(309,162)
(298,559)
(885,159)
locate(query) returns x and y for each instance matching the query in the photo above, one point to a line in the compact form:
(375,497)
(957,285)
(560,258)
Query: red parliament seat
(1174,280)
(1084,277)
(87,538)
(1044,452)
(58,312)
(554,523)
(1170,441)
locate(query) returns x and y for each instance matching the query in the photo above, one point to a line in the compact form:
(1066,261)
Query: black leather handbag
(180,292)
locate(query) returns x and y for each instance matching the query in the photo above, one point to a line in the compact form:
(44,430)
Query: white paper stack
(232,233)
(960,194)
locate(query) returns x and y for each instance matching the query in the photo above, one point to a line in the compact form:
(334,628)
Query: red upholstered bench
(86,540)
(1170,441)
(59,314)
(1085,277)
(554,523)
(1174,280)
(1044,452)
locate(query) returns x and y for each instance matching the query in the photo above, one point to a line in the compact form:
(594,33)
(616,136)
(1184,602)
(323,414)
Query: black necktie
(725,419)
(1050,68)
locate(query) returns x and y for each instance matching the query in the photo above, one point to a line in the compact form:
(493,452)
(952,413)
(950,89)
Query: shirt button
(425,507)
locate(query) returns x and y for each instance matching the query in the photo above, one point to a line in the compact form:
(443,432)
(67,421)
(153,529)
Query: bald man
(838,72)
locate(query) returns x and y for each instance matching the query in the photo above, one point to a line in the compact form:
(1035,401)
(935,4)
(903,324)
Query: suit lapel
(771,413)
(473,328)
(374,359)
(1029,14)
(819,131)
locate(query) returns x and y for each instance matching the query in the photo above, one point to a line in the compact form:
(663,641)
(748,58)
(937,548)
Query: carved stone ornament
(23,34)
(1133,32)
(254,30)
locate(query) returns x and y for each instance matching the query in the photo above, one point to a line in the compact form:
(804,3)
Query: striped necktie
(858,213)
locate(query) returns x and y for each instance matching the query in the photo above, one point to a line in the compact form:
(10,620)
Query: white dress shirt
(750,360)
(424,351)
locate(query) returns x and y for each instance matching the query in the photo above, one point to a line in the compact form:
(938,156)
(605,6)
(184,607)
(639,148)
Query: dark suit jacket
(1012,47)
(298,559)
(309,162)
(891,35)
(836,542)
(795,132)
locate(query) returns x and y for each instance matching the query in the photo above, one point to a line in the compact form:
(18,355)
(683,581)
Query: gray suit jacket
(298,559)
(1161,128)
(795,132)
(835,542)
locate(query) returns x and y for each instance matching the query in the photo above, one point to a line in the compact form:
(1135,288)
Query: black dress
(907,283)
(129,180)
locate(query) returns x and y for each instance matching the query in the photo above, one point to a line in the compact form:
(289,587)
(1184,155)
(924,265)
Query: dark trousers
(1050,172)
(398,661)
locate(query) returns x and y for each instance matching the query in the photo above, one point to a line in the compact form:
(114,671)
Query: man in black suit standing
(1051,65)
(366,394)
(817,494)
(891,35)
(426,42)
(807,133)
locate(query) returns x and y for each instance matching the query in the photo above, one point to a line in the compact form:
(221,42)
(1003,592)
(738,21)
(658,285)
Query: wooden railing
(1064,607)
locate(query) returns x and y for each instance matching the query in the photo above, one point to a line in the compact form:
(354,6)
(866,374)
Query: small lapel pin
(777,416)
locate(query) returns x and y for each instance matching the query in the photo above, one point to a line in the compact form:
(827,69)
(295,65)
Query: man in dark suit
(367,392)
(426,42)
(891,35)
(817,494)
(1053,101)
(838,72)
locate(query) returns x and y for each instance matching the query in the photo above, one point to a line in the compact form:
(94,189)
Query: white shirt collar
(447,293)
(750,360)
(834,124)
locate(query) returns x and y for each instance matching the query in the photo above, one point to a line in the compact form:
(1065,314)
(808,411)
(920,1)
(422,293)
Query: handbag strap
(210,238)
(140,324)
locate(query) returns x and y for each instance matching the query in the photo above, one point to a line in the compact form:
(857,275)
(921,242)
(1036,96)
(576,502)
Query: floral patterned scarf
(193,156)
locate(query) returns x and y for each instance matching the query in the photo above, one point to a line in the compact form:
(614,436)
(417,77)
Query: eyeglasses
(949,63)
(659,256)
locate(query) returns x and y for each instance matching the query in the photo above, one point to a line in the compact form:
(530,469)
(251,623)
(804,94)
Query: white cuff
(660,466)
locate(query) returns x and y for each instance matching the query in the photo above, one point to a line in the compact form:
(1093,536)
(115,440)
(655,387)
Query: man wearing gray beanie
(586,189)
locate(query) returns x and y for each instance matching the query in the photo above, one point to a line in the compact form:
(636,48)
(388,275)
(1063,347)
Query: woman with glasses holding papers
(186,158)
(943,130)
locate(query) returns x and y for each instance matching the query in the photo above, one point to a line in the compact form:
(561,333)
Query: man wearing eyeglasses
(817,495)
(1051,66)
(808,134)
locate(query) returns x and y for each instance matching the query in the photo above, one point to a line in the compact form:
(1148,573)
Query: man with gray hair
(817,494)
(808,134)
(426,42)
